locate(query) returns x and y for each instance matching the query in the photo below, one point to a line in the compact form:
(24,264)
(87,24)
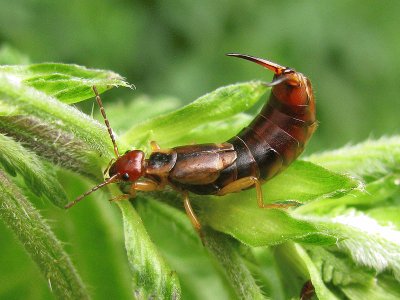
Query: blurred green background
(349,49)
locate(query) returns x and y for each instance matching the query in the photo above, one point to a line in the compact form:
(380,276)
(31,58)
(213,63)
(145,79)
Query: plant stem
(40,242)
(223,250)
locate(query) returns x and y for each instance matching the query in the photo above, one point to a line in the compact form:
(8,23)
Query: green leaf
(337,268)
(67,83)
(62,128)
(386,215)
(371,159)
(151,276)
(29,114)
(372,194)
(321,290)
(188,257)
(384,287)
(56,131)
(265,268)
(290,265)
(365,240)
(224,251)
(217,105)
(38,178)
(304,181)
(214,131)
(355,281)
(124,115)
(40,242)
(92,232)
(238,214)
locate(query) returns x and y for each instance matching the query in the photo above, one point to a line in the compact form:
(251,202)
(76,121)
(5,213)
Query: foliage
(344,236)
(349,50)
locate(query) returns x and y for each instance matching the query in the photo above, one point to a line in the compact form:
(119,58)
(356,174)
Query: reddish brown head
(289,86)
(128,167)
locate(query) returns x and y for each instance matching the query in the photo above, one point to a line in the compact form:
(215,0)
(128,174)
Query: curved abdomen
(274,139)
(267,146)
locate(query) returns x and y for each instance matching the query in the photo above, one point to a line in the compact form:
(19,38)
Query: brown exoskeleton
(274,139)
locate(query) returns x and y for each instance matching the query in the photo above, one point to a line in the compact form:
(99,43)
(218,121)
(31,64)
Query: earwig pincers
(270,143)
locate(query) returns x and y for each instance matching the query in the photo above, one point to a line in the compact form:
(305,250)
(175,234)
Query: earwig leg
(147,186)
(246,182)
(190,212)
(242,184)
(280,205)
(121,197)
(154,146)
(144,186)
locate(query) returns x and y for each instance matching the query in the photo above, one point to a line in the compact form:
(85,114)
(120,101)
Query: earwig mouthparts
(277,69)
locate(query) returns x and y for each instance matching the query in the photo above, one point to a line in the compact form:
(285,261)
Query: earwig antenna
(277,69)
(108,181)
(103,112)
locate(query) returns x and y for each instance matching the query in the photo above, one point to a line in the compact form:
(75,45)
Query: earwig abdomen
(277,136)
(273,140)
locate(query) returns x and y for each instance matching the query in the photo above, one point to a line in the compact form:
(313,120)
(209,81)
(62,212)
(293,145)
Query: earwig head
(289,86)
(128,167)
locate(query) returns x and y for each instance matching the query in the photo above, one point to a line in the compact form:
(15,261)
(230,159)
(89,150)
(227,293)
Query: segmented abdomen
(274,139)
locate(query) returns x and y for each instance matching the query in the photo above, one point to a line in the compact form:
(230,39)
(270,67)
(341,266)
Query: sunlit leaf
(151,276)
(366,241)
(238,214)
(370,159)
(54,130)
(217,105)
(68,83)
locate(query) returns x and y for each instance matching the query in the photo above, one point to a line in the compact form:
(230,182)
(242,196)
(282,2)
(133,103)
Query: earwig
(274,139)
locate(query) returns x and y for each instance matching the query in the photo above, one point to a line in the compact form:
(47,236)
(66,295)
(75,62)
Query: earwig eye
(125,176)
